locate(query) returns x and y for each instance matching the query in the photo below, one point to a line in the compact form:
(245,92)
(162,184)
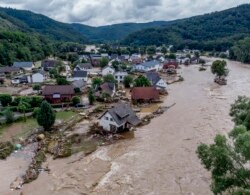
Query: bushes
(76,100)
(9,116)
(5,99)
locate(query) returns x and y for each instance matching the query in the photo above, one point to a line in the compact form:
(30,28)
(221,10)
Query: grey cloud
(103,12)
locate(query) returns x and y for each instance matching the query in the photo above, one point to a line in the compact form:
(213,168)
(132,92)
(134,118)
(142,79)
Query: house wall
(120,77)
(106,121)
(52,100)
(161,84)
(36,78)
(85,79)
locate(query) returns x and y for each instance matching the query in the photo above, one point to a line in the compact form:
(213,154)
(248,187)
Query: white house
(108,70)
(119,118)
(148,66)
(119,76)
(156,80)
(38,77)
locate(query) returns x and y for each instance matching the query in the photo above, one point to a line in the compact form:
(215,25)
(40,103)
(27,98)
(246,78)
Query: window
(107,118)
(111,119)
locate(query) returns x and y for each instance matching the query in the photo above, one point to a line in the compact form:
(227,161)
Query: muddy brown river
(160,159)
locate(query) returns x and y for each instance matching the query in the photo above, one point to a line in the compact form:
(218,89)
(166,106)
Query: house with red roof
(56,94)
(144,94)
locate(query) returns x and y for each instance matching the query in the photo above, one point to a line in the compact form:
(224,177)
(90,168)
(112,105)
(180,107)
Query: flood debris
(220,80)
(6,148)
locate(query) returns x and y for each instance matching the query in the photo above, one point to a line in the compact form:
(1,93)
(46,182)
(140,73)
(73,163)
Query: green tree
(115,65)
(109,78)
(36,87)
(9,116)
(5,99)
(76,100)
(62,81)
(228,159)
(91,97)
(142,81)
(96,82)
(219,68)
(164,50)
(151,50)
(128,80)
(172,56)
(46,116)
(104,62)
(22,107)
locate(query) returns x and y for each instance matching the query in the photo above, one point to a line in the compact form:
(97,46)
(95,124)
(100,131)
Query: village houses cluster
(120,79)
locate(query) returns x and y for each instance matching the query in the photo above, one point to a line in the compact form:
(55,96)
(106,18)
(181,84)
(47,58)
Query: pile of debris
(6,148)
(220,80)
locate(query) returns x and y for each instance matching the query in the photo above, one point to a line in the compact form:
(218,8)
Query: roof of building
(123,113)
(9,69)
(40,72)
(84,66)
(144,93)
(48,63)
(153,77)
(107,88)
(149,64)
(121,73)
(23,64)
(79,84)
(80,74)
(61,89)
(108,67)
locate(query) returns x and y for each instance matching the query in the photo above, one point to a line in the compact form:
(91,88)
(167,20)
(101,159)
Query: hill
(30,22)
(114,32)
(218,30)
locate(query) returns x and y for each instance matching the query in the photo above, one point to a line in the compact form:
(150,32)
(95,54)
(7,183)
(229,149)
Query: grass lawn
(23,129)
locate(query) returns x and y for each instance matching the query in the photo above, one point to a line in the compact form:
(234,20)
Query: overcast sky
(103,12)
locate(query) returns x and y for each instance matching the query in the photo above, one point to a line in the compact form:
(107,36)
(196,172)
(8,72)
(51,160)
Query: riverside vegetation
(228,158)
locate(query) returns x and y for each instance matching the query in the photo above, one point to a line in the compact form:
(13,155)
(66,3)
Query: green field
(23,129)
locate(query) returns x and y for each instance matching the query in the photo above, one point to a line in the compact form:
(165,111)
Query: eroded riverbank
(161,158)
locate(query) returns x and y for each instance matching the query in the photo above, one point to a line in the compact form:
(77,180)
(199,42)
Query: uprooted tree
(219,68)
(46,116)
(228,158)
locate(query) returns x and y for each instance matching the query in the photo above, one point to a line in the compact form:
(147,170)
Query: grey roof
(123,113)
(23,64)
(84,65)
(149,64)
(106,87)
(9,69)
(80,74)
(79,84)
(153,77)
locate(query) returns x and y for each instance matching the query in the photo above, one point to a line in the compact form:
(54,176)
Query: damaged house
(119,118)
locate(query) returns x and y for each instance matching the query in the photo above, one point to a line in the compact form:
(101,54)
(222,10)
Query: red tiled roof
(170,64)
(144,93)
(61,89)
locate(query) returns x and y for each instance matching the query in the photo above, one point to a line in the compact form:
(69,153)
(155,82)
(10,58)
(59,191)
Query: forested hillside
(219,31)
(25,36)
(115,32)
(31,22)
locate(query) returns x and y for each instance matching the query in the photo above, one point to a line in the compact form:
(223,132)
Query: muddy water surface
(161,158)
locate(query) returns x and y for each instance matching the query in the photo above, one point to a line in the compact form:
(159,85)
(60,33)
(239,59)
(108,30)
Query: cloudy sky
(103,12)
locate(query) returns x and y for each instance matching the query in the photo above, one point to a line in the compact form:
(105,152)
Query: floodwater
(160,159)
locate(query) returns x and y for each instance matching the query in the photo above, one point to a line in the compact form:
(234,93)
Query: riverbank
(159,158)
